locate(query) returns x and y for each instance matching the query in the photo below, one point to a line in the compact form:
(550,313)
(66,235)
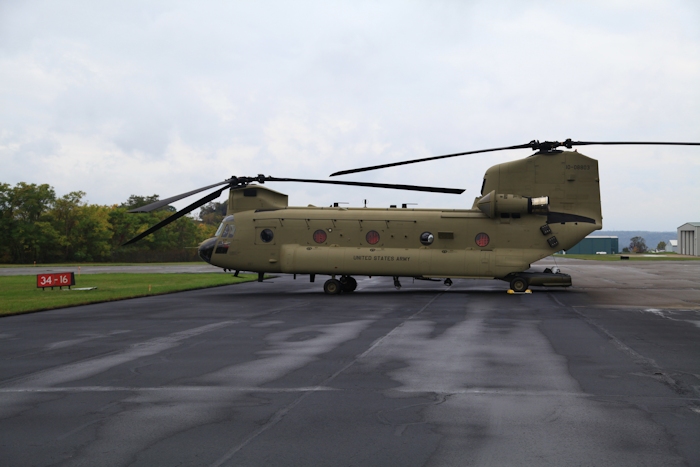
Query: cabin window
(482,239)
(266,235)
(426,238)
(320,236)
(372,237)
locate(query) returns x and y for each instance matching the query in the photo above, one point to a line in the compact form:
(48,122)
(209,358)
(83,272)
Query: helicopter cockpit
(221,241)
(226,229)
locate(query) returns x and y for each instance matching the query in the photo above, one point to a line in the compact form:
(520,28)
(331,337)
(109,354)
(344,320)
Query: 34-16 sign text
(61,279)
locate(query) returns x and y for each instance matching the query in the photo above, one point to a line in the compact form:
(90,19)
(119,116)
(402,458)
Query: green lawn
(19,294)
(633,257)
(75,265)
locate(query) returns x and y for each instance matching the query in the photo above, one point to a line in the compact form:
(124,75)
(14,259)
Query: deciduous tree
(22,207)
(36,226)
(213,213)
(637,245)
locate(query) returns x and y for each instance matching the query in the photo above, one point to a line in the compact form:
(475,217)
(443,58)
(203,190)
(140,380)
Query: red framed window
(372,237)
(320,236)
(482,239)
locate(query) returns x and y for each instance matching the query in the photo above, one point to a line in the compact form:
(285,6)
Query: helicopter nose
(206,249)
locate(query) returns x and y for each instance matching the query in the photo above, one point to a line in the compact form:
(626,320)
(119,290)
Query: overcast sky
(163,97)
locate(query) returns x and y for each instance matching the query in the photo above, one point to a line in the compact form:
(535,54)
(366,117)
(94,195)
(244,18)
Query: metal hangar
(688,235)
(592,245)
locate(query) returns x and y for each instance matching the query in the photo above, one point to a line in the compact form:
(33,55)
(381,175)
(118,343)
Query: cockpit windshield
(229,230)
(220,229)
(226,229)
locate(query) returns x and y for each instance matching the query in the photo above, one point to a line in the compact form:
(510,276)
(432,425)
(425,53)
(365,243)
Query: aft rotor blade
(613,143)
(172,199)
(431,189)
(210,197)
(534,145)
(425,159)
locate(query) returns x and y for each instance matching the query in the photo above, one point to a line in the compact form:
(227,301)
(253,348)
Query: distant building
(688,235)
(672,246)
(593,245)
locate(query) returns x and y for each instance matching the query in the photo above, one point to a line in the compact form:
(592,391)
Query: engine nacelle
(493,204)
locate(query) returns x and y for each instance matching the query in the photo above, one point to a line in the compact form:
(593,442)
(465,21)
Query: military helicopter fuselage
(528,209)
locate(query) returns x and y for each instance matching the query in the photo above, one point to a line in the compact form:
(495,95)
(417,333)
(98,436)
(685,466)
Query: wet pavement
(277,373)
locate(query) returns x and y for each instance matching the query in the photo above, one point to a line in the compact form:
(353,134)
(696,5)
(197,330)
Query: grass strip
(19,294)
(75,265)
(632,257)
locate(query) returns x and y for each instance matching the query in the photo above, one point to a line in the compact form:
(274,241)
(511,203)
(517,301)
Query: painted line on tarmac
(649,364)
(310,389)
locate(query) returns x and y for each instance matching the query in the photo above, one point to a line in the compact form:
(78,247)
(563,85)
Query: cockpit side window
(226,229)
(229,230)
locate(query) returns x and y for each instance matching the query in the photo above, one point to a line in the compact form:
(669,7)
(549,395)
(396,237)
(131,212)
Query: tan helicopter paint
(568,179)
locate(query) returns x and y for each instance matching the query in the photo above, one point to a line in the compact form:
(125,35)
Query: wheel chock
(512,292)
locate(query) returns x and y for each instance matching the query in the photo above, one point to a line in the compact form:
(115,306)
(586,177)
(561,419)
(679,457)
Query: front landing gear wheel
(332,287)
(348,283)
(518,284)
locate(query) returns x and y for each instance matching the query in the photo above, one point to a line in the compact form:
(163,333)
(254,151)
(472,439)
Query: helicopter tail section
(568,178)
(570,182)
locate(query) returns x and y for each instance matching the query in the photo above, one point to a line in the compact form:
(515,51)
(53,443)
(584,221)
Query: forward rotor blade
(430,189)
(172,199)
(200,202)
(413,161)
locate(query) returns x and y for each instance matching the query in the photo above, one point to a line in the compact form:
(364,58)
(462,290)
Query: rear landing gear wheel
(332,287)
(349,284)
(518,284)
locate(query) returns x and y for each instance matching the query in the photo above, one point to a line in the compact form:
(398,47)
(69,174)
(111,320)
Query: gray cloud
(145,97)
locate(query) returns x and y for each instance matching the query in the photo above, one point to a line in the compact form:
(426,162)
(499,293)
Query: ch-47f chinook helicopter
(528,209)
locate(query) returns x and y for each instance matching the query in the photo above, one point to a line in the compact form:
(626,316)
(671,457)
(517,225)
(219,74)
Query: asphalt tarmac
(277,373)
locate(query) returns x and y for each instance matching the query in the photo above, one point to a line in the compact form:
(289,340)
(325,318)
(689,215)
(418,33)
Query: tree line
(36,225)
